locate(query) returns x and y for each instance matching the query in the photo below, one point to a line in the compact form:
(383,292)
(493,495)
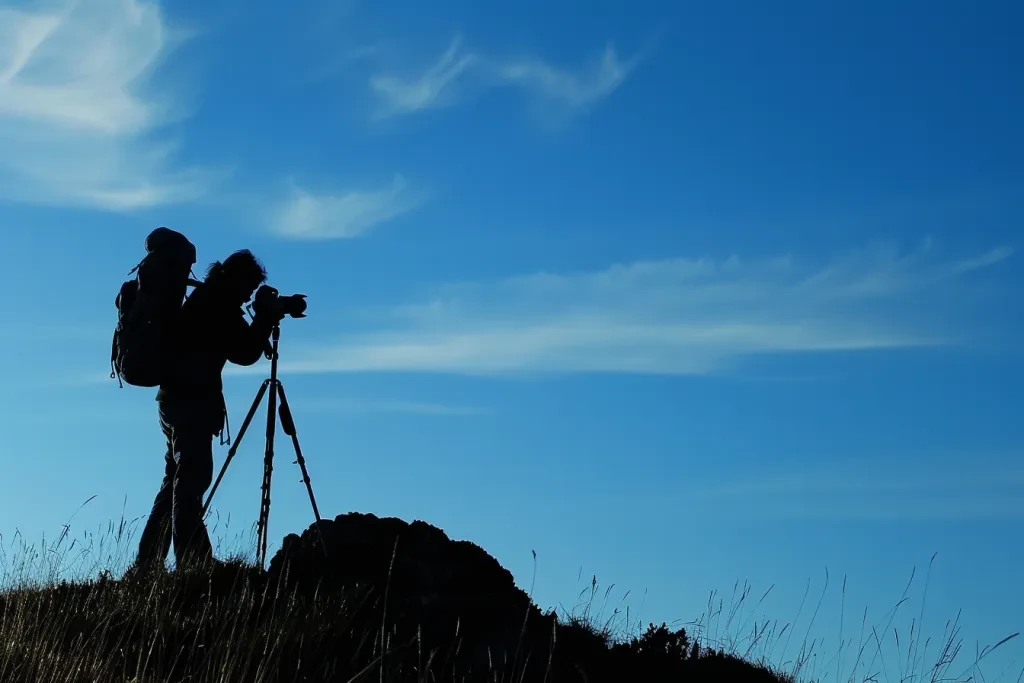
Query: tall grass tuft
(66,616)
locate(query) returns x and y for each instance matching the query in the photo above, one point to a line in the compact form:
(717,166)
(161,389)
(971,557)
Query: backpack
(147,309)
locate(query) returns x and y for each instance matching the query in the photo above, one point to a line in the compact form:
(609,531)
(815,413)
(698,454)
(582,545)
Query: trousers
(188,425)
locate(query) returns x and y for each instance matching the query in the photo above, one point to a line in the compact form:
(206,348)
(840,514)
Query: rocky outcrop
(418,579)
(448,605)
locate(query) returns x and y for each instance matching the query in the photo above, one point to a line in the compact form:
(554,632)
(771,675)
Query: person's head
(240,275)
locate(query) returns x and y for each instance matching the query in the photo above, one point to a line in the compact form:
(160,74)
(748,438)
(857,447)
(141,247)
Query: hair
(242,264)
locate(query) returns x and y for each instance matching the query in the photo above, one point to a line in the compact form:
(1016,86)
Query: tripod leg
(268,470)
(288,426)
(238,440)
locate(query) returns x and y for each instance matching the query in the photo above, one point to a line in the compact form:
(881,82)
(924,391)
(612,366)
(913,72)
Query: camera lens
(295,305)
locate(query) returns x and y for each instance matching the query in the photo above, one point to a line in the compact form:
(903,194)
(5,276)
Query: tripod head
(270,350)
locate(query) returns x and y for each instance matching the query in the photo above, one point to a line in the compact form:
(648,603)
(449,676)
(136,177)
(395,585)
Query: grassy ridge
(232,625)
(65,617)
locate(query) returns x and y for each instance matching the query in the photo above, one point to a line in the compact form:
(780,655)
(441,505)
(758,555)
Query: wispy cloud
(342,214)
(984,260)
(674,316)
(356,405)
(574,89)
(76,122)
(945,487)
(431,89)
(458,71)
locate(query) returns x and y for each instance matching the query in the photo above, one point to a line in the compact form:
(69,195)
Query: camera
(270,300)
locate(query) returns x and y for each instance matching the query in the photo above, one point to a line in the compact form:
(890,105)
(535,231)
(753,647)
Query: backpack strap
(113,358)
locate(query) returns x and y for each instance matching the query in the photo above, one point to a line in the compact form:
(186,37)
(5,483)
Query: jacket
(210,332)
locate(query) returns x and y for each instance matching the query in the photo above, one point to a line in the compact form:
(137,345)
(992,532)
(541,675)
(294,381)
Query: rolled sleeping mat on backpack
(170,241)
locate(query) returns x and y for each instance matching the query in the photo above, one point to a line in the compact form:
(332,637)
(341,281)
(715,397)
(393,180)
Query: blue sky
(676,296)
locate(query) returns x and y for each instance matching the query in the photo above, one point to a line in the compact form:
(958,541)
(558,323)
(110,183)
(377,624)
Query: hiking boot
(143,572)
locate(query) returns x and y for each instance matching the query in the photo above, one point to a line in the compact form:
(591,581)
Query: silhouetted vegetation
(391,602)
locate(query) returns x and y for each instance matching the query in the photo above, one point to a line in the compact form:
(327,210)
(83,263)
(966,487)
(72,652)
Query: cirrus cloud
(77,125)
(670,316)
(342,213)
(443,82)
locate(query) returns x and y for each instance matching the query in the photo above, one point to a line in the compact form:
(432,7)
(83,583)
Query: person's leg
(155,541)
(193,449)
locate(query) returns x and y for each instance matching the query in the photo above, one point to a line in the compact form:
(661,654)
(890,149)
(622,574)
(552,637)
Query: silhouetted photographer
(210,331)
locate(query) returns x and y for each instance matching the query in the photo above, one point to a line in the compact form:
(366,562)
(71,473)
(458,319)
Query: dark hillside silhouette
(452,597)
(394,602)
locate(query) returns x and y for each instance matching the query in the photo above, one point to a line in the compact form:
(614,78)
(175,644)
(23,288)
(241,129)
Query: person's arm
(246,343)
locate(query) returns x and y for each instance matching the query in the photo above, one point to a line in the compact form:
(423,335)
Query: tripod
(288,426)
